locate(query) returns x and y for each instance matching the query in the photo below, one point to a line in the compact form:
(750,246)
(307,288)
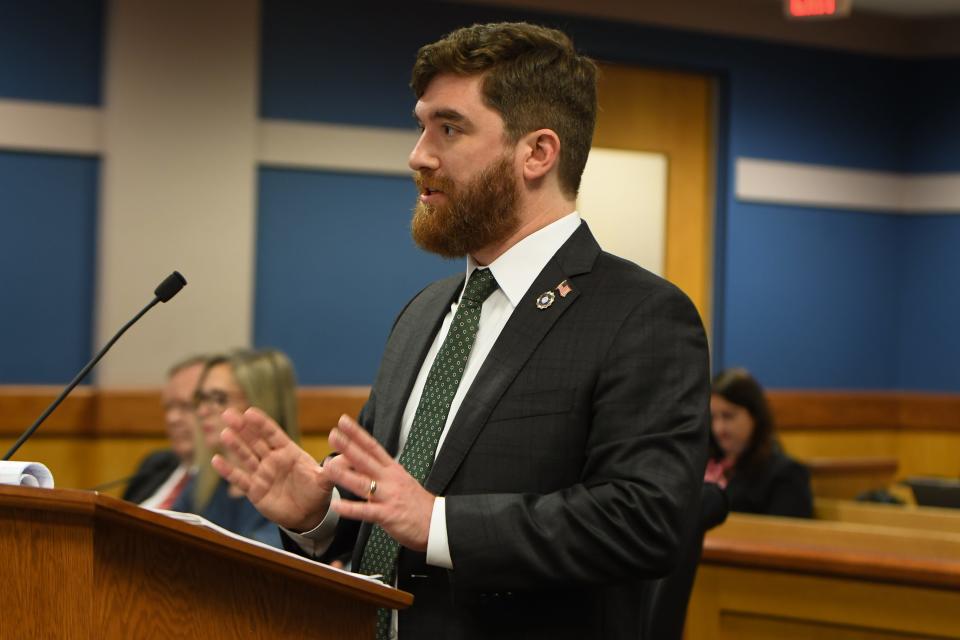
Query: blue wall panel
(48,217)
(335,265)
(348,62)
(51,50)
(930,308)
(812,297)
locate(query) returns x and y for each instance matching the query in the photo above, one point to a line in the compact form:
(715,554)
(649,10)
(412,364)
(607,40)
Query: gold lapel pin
(545,300)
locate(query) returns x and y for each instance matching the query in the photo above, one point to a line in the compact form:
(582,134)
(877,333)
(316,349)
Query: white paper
(25,474)
(200,521)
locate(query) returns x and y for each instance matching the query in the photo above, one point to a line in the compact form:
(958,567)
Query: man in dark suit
(535,438)
(163,474)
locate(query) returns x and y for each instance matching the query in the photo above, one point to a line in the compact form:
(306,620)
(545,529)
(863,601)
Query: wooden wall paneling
(101,434)
(870,410)
(825,409)
(85,463)
(924,452)
(841,443)
(21,405)
(89,411)
(930,411)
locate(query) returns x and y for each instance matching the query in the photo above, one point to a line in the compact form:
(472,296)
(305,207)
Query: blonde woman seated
(243,379)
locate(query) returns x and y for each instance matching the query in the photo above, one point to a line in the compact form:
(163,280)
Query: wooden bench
(766,577)
(849,477)
(888,515)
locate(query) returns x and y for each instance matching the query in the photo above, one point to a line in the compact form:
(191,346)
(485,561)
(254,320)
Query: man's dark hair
(532,76)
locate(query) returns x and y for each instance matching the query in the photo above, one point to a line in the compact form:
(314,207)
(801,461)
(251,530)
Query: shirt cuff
(316,541)
(438,547)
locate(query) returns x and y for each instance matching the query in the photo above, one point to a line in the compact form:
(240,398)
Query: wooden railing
(871,410)
(764,577)
(93,412)
(99,434)
(888,515)
(849,477)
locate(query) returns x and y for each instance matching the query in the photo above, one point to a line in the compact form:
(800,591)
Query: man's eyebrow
(444,114)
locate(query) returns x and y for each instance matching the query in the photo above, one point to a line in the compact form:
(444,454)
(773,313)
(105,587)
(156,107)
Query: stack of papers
(25,474)
(200,521)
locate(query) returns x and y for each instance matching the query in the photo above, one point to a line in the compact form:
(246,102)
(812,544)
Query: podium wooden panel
(82,565)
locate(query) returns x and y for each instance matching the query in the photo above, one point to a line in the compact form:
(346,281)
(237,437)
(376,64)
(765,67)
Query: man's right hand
(282,480)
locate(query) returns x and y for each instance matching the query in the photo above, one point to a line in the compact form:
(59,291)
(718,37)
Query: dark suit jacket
(668,598)
(570,466)
(780,487)
(152,472)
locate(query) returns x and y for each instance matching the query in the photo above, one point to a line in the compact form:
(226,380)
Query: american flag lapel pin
(563,289)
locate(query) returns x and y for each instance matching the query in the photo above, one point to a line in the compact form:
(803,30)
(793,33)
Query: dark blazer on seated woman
(236,514)
(778,487)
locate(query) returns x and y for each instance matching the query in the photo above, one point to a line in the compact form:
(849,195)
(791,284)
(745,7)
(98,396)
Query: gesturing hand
(282,480)
(395,500)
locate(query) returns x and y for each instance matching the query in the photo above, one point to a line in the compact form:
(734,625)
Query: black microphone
(116,482)
(170,286)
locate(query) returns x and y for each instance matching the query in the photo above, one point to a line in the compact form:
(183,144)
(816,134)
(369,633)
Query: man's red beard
(475,216)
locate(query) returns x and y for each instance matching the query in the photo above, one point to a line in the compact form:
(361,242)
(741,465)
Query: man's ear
(542,153)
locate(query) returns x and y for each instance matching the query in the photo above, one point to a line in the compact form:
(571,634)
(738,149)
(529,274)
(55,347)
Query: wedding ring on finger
(373,489)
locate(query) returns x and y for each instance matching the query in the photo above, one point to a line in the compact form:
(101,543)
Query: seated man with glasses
(162,475)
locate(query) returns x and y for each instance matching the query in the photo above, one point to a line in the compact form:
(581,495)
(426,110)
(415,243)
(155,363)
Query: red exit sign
(801,9)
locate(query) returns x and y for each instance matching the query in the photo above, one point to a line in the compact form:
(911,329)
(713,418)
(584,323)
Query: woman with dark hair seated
(744,451)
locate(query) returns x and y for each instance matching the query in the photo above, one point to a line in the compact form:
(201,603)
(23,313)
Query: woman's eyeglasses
(215,398)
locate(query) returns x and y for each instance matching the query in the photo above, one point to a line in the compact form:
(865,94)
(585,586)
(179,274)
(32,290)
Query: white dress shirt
(515,270)
(163,491)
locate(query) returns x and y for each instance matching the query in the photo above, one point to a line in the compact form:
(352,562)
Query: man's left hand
(395,500)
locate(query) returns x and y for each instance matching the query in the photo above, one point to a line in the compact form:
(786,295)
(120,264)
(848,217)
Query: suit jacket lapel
(520,337)
(404,356)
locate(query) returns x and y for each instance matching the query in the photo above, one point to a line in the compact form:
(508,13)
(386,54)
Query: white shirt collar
(520,265)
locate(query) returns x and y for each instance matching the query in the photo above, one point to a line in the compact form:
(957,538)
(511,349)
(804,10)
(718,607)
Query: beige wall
(178,179)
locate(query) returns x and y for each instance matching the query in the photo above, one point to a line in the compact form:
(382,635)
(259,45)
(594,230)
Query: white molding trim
(50,128)
(67,129)
(335,147)
(933,193)
(822,186)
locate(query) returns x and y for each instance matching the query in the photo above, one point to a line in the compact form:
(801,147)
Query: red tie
(174,492)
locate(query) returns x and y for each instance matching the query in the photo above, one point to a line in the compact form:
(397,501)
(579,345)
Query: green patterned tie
(380,554)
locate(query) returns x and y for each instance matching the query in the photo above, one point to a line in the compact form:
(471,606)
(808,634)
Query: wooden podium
(76,564)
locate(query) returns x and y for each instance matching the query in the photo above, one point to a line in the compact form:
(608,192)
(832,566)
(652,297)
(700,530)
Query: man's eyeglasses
(179,405)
